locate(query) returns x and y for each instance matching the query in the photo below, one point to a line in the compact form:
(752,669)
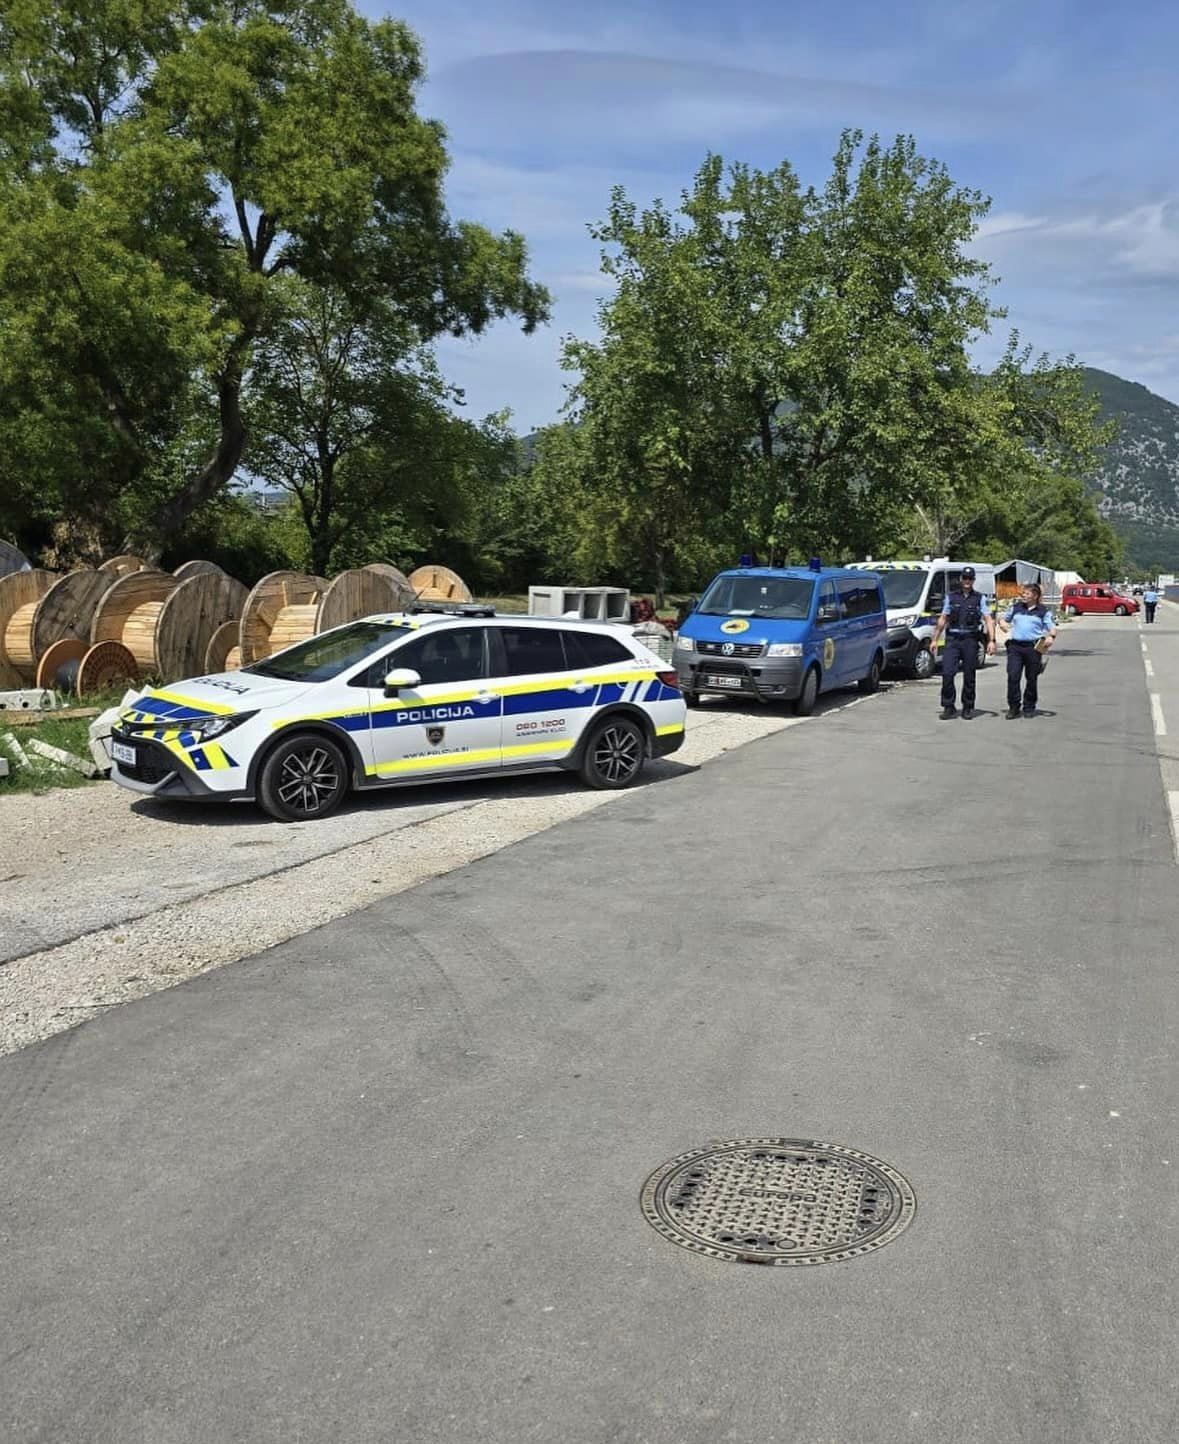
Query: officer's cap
(968,572)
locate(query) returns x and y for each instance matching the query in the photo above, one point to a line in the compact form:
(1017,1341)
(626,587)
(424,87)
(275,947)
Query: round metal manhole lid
(778,1201)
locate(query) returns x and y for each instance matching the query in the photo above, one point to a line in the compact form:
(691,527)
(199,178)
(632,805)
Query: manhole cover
(778,1201)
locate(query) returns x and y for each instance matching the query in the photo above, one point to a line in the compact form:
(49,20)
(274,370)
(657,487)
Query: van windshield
(784,598)
(901,588)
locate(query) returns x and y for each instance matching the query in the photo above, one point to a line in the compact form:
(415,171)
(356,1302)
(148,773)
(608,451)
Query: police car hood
(218,694)
(704,627)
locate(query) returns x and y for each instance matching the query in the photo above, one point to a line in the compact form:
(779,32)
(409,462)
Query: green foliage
(172,166)
(786,371)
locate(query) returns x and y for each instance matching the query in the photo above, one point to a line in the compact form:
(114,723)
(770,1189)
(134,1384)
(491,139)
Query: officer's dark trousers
(1150,606)
(1023,661)
(960,652)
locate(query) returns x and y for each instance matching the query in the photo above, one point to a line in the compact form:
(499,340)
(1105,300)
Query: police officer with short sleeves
(966,620)
(1033,630)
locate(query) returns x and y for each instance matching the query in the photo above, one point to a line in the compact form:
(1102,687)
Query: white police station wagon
(402,698)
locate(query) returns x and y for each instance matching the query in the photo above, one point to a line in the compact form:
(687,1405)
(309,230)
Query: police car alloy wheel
(923,663)
(614,754)
(304,777)
(982,654)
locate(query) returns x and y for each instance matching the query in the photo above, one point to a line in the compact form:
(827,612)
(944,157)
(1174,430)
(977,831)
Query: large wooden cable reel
(224,653)
(280,610)
(20,594)
(355,594)
(434,583)
(198,569)
(403,594)
(166,623)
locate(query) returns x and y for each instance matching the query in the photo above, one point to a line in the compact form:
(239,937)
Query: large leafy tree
(790,367)
(164,170)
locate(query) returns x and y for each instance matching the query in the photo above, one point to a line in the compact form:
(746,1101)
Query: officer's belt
(972,633)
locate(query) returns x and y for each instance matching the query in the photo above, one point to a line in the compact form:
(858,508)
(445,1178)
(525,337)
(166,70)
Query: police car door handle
(580,687)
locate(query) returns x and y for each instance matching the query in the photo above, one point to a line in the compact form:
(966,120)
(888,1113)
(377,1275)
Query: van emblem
(729,648)
(434,735)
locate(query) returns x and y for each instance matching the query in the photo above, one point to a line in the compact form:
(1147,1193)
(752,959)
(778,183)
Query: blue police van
(783,634)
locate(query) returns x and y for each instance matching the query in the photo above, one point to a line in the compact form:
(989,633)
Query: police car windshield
(321,658)
(786,598)
(901,588)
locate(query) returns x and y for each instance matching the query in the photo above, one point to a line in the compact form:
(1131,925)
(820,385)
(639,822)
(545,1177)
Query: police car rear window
(593,649)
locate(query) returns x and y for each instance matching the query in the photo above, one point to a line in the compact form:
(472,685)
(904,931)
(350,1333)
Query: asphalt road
(381,1183)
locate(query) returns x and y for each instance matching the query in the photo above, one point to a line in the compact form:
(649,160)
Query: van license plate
(122,753)
(733,682)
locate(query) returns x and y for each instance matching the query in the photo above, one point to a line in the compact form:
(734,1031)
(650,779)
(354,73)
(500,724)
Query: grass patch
(41,775)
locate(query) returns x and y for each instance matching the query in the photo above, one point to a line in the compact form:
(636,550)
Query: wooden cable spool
(287,607)
(164,623)
(58,667)
(403,593)
(224,654)
(105,665)
(66,611)
(434,583)
(124,564)
(262,609)
(20,592)
(198,569)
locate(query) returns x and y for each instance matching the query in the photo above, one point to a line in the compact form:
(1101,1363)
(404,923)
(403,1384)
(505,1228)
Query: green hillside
(1139,480)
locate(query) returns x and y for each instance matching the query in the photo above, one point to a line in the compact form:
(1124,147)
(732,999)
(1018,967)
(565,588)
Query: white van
(913,596)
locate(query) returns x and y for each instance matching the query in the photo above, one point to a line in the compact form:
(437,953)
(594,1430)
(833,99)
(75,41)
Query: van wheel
(871,683)
(1070,611)
(804,703)
(1121,611)
(923,664)
(304,777)
(691,699)
(614,754)
(982,656)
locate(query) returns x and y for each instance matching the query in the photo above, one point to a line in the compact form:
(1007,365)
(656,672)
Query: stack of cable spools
(94,628)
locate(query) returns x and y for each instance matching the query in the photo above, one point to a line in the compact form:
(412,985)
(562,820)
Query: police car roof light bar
(454,609)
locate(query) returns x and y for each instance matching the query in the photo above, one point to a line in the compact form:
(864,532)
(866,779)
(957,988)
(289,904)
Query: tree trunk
(660,577)
(217,472)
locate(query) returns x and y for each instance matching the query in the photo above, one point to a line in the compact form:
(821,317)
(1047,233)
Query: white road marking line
(1149,665)
(1173,805)
(1156,711)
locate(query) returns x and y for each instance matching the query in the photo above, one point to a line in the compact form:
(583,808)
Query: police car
(403,698)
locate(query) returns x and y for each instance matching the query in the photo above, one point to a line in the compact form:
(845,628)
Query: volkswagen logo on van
(728,649)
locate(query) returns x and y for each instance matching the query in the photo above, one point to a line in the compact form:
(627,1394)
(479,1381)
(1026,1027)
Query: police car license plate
(122,753)
(715,681)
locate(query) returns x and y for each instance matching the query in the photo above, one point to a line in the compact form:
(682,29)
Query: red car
(1081,597)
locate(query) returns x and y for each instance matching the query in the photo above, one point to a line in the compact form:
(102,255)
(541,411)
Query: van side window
(937,592)
(859,599)
(828,605)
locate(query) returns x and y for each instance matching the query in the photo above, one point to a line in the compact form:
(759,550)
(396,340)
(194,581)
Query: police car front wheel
(614,754)
(304,777)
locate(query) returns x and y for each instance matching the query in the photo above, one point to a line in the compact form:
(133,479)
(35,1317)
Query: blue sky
(1064,112)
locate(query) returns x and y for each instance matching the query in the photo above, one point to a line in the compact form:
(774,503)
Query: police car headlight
(784,649)
(206,728)
(684,644)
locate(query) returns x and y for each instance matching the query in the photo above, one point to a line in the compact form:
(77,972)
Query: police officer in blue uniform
(1029,622)
(966,619)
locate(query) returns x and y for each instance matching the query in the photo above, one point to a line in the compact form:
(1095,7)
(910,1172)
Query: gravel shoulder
(105,897)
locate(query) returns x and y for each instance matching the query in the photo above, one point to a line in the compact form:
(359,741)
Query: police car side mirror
(401,677)
(828,614)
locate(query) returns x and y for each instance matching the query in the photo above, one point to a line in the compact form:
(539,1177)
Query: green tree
(172,166)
